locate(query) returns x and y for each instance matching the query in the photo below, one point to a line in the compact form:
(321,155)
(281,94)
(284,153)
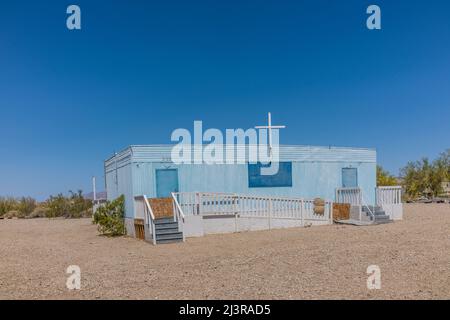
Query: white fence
(201,203)
(390,199)
(352,196)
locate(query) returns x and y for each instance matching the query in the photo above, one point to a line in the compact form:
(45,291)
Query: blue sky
(139,69)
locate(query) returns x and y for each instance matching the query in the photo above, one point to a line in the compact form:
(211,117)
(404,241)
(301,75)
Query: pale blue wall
(309,178)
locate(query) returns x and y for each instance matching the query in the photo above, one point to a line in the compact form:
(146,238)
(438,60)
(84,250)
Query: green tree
(384,178)
(424,177)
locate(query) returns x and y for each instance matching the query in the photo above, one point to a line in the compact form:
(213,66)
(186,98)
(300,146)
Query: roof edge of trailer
(146,153)
(281,145)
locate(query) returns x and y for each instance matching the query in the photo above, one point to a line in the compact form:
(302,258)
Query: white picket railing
(203,203)
(390,199)
(354,197)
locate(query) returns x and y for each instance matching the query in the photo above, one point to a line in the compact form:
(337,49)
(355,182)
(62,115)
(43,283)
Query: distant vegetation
(72,206)
(384,178)
(420,178)
(425,178)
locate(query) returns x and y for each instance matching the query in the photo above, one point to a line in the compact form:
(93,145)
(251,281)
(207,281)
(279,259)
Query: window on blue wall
(281,179)
(349,178)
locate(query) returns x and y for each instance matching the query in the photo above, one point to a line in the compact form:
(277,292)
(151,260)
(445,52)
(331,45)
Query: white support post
(235,213)
(331,211)
(270,213)
(174,211)
(301,213)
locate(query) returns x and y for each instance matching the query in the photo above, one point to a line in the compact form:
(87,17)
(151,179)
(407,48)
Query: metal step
(380,217)
(169,236)
(383,221)
(168,241)
(166,231)
(166,225)
(379,212)
(371,208)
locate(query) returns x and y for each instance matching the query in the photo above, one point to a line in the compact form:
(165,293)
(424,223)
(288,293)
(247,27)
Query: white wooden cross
(270,127)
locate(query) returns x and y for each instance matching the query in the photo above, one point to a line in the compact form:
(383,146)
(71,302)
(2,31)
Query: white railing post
(330,204)
(179,213)
(302,205)
(270,213)
(234,198)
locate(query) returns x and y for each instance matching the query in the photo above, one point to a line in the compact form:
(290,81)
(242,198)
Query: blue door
(349,178)
(166,182)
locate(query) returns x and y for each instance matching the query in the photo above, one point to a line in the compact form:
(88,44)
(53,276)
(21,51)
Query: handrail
(389,187)
(349,195)
(179,211)
(178,214)
(255,197)
(150,216)
(149,207)
(355,197)
(364,204)
(250,206)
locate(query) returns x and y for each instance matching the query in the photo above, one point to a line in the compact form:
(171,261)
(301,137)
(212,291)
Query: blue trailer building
(304,172)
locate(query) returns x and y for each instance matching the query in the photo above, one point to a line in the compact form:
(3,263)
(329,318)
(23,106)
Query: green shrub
(110,217)
(26,206)
(79,206)
(74,206)
(13,214)
(19,208)
(7,204)
(39,212)
(57,206)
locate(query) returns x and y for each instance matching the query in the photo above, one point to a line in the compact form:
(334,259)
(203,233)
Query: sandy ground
(327,262)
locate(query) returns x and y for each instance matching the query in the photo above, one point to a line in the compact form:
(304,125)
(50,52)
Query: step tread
(162,241)
(383,221)
(163,226)
(174,235)
(166,231)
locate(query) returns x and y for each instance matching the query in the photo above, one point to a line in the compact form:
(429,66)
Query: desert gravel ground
(327,262)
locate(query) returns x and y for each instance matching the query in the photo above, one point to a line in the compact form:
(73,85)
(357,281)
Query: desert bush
(26,205)
(57,206)
(13,207)
(110,217)
(38,212)
(7,204)
(13,214)
(79,206)
(73,206)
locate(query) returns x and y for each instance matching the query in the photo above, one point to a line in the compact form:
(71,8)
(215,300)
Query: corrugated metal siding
(121,183)
(316,172)
(162,153)
(119,160)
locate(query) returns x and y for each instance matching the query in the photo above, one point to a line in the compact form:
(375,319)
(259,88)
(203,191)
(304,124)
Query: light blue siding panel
(121,183)
(316,172)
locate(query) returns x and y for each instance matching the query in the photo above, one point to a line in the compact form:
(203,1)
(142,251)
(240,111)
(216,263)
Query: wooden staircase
(166,229)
